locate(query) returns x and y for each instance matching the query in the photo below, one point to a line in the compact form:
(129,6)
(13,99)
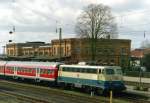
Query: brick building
(28,49)
(137,55)
(74,50)
(108,51)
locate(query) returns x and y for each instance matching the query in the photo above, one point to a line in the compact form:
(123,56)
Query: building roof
(38,42)
(138,53)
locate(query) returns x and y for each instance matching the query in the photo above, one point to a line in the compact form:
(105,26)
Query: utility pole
(4,47)
(60,38)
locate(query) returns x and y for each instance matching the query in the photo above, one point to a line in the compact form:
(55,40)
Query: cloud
(34,19)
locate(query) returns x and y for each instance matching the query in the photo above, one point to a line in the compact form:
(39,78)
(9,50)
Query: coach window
(1,68)
(17,69)
(52,72)
(25,70)
(49,71)
(28,70)
(41,71)
(45,71)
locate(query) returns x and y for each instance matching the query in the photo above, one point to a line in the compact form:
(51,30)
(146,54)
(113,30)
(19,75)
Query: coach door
(37,72)
(60,71)
(15,71)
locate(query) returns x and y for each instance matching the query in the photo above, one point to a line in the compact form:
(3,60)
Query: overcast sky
(36,20)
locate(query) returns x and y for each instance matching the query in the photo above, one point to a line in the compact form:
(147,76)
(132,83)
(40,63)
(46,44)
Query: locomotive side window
(91,70)
(109,71)
(82,70)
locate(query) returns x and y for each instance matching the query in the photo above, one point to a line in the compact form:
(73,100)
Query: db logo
(77,75)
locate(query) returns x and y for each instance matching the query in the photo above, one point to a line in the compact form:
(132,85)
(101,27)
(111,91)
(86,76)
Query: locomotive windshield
(119,71)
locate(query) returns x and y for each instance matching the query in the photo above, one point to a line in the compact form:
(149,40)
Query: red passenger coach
(46,71)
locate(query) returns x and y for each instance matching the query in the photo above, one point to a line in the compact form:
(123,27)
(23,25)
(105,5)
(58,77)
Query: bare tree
(145,44)
(95,22)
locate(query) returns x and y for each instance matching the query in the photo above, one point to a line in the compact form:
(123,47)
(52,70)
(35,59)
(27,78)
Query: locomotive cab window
(119,71)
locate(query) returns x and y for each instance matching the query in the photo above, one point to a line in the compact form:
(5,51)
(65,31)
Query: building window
(105,50)
(67,51)
(123,51)
(77,50)
(99,51)
(11,52)
(54,51)
(46,53)
(112,52)
(62,51)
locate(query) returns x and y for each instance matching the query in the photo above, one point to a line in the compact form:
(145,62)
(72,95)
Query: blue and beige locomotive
(98,78)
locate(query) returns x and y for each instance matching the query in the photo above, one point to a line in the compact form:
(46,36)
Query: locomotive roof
(32,64)
(89,66)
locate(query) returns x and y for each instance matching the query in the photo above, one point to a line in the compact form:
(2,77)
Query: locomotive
(97,78)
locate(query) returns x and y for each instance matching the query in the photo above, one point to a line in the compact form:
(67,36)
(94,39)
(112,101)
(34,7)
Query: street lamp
(142,69)
(60,39)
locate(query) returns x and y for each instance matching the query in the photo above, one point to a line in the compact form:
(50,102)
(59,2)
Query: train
(94,78)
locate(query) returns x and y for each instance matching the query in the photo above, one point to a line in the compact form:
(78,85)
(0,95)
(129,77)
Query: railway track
(35,94)
(39,94)
(22,98)
(133,98)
